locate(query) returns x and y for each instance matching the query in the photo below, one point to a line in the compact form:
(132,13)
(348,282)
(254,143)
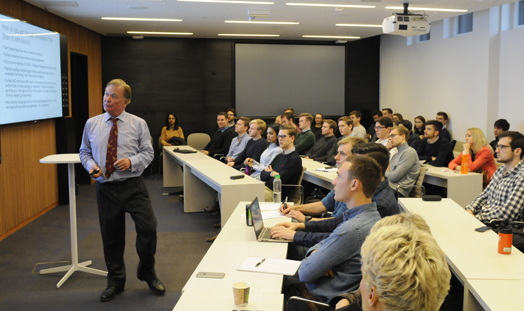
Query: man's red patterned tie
(111,149)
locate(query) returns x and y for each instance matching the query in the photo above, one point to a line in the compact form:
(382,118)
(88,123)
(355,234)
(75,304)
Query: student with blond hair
(478,151)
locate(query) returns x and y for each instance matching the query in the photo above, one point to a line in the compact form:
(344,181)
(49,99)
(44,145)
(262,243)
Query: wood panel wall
(27,187)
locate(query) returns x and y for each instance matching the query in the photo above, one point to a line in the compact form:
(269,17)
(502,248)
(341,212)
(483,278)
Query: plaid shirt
(503,199)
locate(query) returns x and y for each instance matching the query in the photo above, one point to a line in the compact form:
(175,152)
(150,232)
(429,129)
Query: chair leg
(160,164)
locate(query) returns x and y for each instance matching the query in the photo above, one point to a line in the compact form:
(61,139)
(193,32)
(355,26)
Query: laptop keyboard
(266,233)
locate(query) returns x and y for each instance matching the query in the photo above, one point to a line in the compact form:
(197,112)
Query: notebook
(262,233)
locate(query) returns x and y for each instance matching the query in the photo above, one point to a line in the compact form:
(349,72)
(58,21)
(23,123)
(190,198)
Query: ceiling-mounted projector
(406,24)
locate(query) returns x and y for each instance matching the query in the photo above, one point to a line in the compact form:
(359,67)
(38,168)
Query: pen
(260,262)
(285,203)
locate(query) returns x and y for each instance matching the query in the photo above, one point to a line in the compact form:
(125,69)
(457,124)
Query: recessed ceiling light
(137,7)
(260,22)
(425,9)
(246,35)
(141,19)
(333,5)
(330,37)
(358,25)
(229,1)
(161,33)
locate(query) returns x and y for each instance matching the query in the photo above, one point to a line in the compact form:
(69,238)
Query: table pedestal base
(72,268)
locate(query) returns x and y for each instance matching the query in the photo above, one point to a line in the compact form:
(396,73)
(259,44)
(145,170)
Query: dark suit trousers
(114,200)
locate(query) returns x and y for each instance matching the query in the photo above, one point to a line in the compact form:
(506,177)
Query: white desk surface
(222,300)
(447,173)
(498,295)
(63,158)
(322,179)
(471,254)
(233,245)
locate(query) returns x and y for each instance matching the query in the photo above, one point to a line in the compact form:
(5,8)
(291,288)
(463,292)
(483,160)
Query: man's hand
(290,225)
(229,159)
(268,168)
(230,164)
(433,158)
(95,167)
(286,208)
(297,215)
(248,161)
(123,164)
(389,145)
(274,173)
(205,152)
(282,232)
(342,303)
(470,212)
(306,157)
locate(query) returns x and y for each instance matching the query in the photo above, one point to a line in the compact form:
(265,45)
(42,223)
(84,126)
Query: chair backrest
(297,194)
(416,191)
(457,148)
(198,140)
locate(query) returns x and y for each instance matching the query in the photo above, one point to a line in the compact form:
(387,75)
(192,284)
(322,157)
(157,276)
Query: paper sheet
(328,170)
(270,265)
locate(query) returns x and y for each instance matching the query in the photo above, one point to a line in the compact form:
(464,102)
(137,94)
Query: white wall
(476,77)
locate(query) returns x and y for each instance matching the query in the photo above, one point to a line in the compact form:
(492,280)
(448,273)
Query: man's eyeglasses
(393,135)
(379,127)
(283,136)
(501,147)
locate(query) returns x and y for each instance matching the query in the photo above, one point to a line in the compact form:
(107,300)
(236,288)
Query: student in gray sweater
(404,166)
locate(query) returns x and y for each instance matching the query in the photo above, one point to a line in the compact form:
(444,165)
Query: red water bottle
(505,241)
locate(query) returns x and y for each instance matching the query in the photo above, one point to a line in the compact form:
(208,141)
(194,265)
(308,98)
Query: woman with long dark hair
(172,129)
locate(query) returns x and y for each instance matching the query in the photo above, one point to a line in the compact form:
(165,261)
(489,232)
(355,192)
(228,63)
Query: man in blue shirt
(116,148)
(332,266)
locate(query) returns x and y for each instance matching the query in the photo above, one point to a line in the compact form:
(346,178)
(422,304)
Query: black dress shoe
(110,293)
(155,285)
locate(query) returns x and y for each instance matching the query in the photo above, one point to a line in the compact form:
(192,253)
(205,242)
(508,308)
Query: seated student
(254,147)
(306,138)
(268,155)
(238,144)
(332,266)
(502,198)
(384,198)
(288,164)
(404,168)
(358,129)
(413,139)
(288,118)
(420,126)
(328,204)
(479,153)
(221,138)
(435,150)
(345,127)
(501,125)
(321,149)
(387,112)
(172,129)
(383,127)
(231,115)
(278,119)
(397,117)
(371,134)
(443,118)
(403,268)
(317,127)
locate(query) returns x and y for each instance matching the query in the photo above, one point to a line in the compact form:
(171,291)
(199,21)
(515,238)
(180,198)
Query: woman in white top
(269,154)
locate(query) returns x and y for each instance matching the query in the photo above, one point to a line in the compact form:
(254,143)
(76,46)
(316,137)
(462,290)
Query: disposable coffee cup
(241,293)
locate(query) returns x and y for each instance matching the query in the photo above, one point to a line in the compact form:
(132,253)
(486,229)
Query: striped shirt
(134,143)
(503,199)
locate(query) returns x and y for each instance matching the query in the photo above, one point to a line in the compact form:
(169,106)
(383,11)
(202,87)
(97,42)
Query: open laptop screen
(257,216)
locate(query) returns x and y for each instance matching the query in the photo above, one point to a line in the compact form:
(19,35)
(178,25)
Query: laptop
(262,233)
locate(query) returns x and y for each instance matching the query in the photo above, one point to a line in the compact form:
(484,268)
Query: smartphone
(94,172)
(237,176)
(211,275)
(483,229)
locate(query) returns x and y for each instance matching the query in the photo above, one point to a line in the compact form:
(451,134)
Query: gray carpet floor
(45,243)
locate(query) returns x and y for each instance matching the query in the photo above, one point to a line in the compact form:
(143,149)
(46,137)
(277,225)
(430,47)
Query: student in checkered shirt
(503,199)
